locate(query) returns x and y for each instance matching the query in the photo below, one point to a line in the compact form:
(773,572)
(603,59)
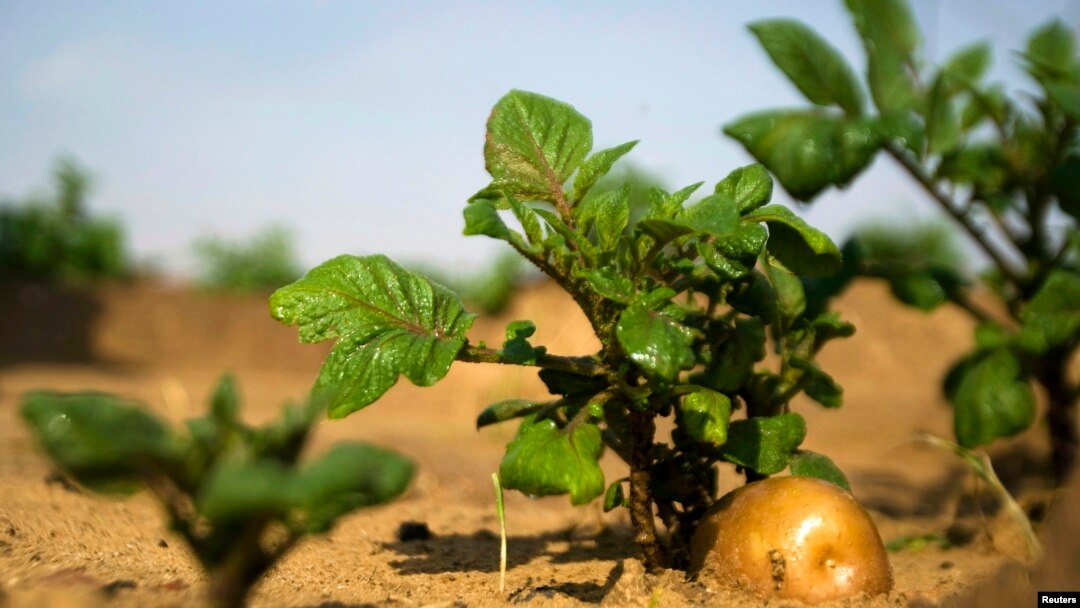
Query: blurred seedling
(1003,170)
(235,493)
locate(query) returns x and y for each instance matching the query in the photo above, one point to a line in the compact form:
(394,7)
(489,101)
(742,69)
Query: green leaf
(610,283)
(1052,50)
(715,214)
(657,343)
(790,296)
(348,476)
(609,213)
(614,497)
(890,38)
(1066,95)
(571,236)
(969,64)
(744,244)
(225,402)
(829,326)
(667,206)
(520,329)
(1055,310)
(905,129)
(990,397)
(543,460)
(1065,181)
(705,416)
(764,444)
(750,187)
(727,268)
(982,165)
(799,246)
(820,386)
(507,410)
(517,349)
(597,166)
(734,356)
(808,150)
(811,464)
(104,442)
(388,321)
(756,298)
(919,289)
(942,123)
(283,439)
(237,491)
(529,222)
(481,217)
(733,255)
(664,231)
(533,145)
(814,65)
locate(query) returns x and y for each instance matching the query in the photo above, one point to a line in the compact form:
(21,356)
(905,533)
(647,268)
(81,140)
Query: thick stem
(231,579)
(642,431)
(1061,420)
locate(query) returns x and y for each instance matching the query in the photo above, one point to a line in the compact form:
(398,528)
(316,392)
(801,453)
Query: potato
(793,538)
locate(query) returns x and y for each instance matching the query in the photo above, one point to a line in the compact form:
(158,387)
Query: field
(166,345)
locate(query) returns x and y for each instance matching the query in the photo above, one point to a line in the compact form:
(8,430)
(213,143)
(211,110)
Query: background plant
(685,299)
(264,261)
(53,237)
(235,493)
(1005,170)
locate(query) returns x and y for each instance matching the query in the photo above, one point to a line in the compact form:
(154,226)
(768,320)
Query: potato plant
(236,494)
(1005,170)
(685,299)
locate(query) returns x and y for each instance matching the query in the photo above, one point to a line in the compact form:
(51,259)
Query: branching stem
(1015,276)
(582,366)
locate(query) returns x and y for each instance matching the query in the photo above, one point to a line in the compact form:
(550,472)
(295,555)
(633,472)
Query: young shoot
(236,494)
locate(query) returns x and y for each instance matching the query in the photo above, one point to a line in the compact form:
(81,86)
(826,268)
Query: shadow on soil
(46,323)
(479,551)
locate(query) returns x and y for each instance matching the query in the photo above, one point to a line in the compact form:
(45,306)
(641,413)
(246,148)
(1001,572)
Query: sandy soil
(61,546)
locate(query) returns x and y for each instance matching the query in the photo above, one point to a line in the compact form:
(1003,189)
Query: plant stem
(1060,417)
(642,430)
(243,564)
(1015,276)
(582,366)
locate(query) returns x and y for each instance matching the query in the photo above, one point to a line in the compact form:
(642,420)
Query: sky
(360,125)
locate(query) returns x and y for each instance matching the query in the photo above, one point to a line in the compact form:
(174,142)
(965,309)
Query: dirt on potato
(63,546)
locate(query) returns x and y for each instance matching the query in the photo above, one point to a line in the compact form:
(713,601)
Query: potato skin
(792,538)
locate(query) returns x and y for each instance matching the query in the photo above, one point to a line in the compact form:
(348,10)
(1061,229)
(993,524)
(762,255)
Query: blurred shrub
(266,261)
(915,245)
(922,262)
(53,237)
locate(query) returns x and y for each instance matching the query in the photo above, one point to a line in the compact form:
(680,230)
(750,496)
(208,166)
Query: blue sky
(360,124)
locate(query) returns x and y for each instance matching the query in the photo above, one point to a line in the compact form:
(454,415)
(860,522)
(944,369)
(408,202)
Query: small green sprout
(236,494)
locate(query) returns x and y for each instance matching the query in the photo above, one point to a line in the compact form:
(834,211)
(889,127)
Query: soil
(63,546)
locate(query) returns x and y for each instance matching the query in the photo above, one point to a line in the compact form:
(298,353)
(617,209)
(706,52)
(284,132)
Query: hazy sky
(360,124)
